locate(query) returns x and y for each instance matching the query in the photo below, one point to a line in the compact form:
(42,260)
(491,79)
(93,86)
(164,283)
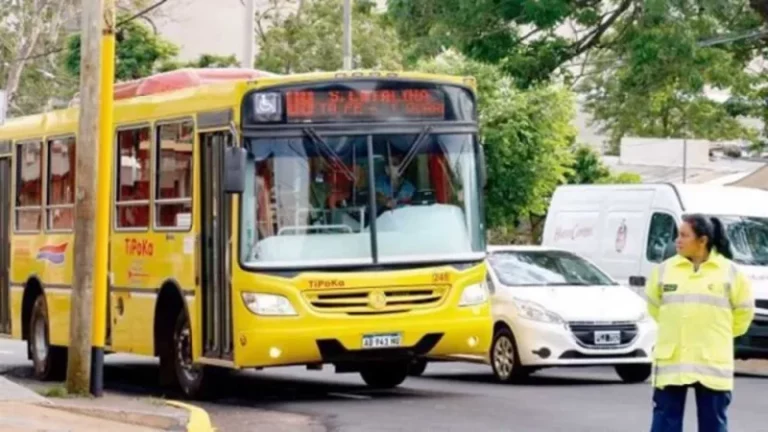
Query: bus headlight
(268,304)
(474,295)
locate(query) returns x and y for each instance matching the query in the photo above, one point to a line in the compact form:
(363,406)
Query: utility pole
(249,35)
(347,34)
(79,357)
(103,204)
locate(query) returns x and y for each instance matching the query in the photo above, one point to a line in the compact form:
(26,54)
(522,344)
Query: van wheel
(385,375)
(505,359)
(49,362)
(634,373)
(417,367)
(194,381)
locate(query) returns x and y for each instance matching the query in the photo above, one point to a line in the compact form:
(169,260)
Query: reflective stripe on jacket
(699,313)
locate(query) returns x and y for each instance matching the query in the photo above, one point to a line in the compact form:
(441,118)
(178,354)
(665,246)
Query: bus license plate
(607,337)
(388,340)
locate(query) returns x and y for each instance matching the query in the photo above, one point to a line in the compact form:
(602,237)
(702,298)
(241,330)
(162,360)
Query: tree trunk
(81,310)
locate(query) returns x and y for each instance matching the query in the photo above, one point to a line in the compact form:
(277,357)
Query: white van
(628,229)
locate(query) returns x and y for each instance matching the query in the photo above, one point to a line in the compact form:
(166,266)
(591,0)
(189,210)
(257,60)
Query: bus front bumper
(342,342)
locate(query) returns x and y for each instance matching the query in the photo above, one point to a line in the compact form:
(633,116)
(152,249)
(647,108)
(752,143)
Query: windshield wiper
(414,150)
(330,154)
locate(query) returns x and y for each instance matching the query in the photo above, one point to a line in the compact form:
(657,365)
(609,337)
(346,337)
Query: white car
(553,308)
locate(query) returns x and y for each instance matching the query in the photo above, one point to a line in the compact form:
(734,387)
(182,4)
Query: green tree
(526,135)
(520,36)
(652,82)
(645,65)
(139,52)
(310,39)
(202,62)
(587,168)
(29,68)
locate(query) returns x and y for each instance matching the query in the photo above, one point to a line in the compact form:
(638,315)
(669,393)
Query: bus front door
(5,245)
(215,253)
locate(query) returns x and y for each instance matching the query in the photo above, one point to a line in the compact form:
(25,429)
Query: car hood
(584,303)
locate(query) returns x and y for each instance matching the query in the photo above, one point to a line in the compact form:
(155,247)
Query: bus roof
(191,91)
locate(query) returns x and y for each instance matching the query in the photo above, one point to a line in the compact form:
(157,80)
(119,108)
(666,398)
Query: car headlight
(537,312)
(474,295)
(268,304)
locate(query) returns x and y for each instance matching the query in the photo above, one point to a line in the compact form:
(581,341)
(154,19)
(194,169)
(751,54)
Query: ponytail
(713,229)
(719,239)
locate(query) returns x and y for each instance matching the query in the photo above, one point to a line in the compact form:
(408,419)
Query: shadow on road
(244,388)
(530,381)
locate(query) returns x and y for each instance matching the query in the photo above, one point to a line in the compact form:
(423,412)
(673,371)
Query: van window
(661,238)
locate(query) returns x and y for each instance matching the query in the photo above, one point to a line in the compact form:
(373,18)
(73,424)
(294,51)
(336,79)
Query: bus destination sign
(362,105)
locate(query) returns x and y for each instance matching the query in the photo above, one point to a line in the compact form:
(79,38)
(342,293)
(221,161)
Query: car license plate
(388,340)
(607,337)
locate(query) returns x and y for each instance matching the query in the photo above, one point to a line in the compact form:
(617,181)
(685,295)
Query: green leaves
(310,39)
(526,135)
(139,52)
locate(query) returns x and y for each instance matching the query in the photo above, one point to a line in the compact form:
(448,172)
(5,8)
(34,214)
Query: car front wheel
(505,359)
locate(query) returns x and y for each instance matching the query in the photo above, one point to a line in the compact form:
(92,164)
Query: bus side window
(133,177)
(29,186)
(60,204)
(173,186)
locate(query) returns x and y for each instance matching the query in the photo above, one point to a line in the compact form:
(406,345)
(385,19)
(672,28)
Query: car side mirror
(636,281)
(235,159)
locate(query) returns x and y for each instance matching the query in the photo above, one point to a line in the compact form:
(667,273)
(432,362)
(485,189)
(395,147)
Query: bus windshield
(314,201)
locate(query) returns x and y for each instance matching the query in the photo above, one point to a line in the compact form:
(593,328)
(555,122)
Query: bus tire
(49,362)
(417,367)
(634,373)
(194,380)
(386,375)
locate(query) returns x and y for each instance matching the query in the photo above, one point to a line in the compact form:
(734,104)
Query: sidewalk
(23,410)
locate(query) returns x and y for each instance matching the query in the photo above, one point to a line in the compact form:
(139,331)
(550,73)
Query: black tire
(505,360)
(385,376)
(417,367)
(192,380)
(634,373)
(49,362)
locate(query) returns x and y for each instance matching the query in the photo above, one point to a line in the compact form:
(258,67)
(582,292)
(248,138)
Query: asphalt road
(449,397)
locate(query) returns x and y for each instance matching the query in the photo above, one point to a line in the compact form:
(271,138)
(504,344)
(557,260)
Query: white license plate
(607,337)
(388,340)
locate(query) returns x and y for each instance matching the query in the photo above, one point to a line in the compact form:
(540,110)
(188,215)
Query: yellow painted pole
(104,201)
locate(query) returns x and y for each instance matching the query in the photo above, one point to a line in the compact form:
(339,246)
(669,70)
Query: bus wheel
(417,367)
(634,373)
(386,375)
(50,362)
(194,380)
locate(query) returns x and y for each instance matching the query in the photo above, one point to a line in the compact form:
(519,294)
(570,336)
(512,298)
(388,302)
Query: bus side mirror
(234,170)
(483,168)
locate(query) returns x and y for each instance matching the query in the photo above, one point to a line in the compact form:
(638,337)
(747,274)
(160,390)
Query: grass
(60,392)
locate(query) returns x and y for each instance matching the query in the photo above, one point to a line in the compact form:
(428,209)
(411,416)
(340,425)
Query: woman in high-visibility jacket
(701,302)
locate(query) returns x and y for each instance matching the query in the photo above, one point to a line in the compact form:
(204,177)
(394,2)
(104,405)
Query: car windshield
(318,200)
(748,237)
(545,268)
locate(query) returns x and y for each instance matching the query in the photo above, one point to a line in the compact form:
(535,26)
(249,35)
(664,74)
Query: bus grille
(375,301)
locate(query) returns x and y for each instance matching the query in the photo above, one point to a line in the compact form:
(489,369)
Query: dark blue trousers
(669,407)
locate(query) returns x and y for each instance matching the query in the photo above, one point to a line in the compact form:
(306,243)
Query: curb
(199,421)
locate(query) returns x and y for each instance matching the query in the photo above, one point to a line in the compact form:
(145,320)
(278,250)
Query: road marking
(350,396)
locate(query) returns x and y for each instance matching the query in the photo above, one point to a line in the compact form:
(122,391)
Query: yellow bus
(315,219)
